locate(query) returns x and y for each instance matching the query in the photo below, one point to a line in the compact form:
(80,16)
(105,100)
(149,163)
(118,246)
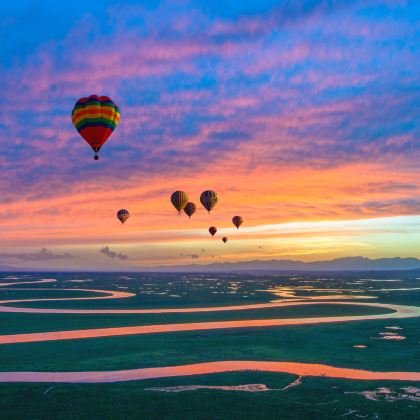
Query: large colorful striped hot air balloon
(208,199)
(179,199)
(95,118)
(190,209)
(123,215)
(237,221)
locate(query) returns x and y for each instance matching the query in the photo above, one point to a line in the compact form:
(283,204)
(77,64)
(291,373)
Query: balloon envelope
(95,118)
(189,209)
(179,200)
(237,221)
(208,199)
(123,215)
(212,230)
(224,239)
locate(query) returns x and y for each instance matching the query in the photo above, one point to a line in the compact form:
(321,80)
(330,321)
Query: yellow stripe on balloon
(96,115)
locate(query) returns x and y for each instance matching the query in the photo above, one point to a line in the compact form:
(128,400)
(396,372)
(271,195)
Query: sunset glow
(303,118)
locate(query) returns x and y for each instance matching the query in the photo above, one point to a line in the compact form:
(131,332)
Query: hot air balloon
(123,215)
(190,209)
(224,239)
(179,200)
(208,199)
(212,230)
(95,118)
(237,221)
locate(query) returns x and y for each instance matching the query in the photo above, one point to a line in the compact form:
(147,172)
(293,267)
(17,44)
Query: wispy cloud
(111,254)
(42,255)
(312,105)
(193,256)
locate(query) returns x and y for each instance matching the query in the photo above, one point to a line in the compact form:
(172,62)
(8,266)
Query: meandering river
(302,369)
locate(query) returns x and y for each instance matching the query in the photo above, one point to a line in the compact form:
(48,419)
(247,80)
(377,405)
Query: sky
(302,115)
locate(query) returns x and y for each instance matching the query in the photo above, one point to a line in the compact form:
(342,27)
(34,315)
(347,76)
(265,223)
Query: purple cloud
(42,255)
(106,250)
(311,84)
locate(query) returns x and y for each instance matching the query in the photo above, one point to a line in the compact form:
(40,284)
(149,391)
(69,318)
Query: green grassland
(325,343)
(315,398)
(14,323)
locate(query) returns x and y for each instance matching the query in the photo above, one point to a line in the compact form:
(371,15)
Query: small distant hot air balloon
(212,230)
(123,215)
(224,239)
(208,199)
(179,199)
(95,118)
(190,209)
(237,221)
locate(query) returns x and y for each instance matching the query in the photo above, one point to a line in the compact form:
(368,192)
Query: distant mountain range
(338,264)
